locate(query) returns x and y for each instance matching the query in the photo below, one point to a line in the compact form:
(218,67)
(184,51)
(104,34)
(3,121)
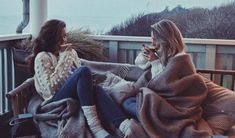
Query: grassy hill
(216,23)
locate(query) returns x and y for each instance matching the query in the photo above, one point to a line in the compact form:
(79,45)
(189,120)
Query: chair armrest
(20,96)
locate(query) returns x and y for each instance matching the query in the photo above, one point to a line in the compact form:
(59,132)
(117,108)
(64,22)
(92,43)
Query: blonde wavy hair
(169,38)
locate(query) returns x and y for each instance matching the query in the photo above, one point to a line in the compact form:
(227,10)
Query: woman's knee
(82,71)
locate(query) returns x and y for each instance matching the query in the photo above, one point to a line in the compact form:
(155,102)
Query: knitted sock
(93,121)
(125,125)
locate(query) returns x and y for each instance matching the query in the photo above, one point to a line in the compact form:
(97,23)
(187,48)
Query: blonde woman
(170,94)
(166,43)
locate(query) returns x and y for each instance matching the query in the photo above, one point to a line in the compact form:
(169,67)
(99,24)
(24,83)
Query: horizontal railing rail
(224,76)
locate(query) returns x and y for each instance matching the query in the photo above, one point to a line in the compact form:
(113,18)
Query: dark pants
(130,106)
(79,86)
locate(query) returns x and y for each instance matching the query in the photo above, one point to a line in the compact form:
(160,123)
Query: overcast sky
(102,14)
(123,8)
(109,7)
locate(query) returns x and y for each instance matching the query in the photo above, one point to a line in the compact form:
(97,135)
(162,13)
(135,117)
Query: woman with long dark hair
(58,73)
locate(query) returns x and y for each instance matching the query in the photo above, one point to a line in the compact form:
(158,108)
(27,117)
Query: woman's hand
(66,46)
(149,53)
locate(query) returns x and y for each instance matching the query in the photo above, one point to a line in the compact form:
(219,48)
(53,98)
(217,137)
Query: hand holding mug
(66,46)
(149,52)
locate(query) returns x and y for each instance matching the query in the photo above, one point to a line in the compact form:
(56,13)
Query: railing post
(6,76)
(1,83)
(6,79)
(210,56)
(113,51)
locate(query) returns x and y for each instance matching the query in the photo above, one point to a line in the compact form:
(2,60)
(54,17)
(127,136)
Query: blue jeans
(130,107)
(79,86)
(108,109)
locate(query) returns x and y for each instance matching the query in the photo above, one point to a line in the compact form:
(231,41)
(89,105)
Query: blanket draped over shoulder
(175,104)
(171,104)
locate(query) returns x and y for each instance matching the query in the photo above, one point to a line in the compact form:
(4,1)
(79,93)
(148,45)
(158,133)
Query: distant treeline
(216,23)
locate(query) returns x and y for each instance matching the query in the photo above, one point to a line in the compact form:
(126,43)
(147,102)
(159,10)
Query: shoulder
(182,65)
(181,59)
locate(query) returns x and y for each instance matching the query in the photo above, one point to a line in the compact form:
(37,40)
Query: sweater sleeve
(156,67)
(71,56)
(141,62)
(51,75)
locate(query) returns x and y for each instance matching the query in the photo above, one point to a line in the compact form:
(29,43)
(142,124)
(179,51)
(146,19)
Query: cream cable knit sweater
(51,72)
(143,63)
(156,65)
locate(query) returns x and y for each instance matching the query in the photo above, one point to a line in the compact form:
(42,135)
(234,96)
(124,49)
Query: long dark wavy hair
(48,40)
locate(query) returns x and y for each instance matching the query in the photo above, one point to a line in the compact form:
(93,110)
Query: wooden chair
(20,96)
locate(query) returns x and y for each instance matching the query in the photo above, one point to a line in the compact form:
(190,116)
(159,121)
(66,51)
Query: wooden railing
(206,54)
(224,78)
(7,72)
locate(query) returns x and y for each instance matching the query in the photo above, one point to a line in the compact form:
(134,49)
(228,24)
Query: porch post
(38,15)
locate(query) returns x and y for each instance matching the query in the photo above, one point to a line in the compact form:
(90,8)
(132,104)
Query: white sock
(125,125)
(93,121)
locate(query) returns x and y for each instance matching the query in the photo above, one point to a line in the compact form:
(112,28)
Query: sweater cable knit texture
(52,71)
